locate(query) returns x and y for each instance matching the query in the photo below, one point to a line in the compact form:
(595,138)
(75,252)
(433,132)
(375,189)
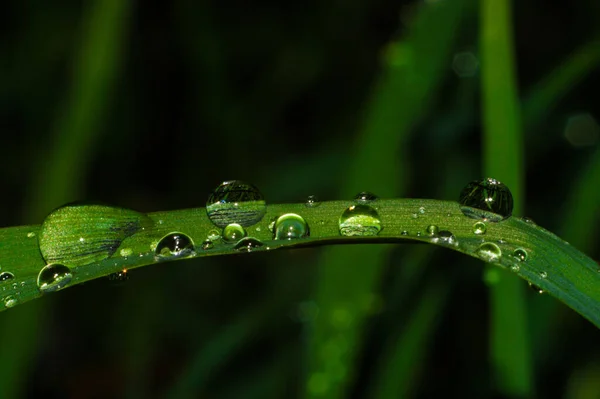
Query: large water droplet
(290,226)
(489,252)
(76,235)
(174,245)
(486,199)
(248,244)
(53,278)
(5,276)
(479,228)
(365,197)
(233,232)
(312,201)
(236,201)
(360,220)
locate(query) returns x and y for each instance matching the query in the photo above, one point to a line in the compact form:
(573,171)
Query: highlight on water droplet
(54,277)
(479,228)
(174,245)
(290,226)
(312,201)
(486,199)
(520,254)
(80,234)
(248,244)
(235,201)
(5,276)
(233,232)
(535,288)
(365,197)
(359,220)
(489,252)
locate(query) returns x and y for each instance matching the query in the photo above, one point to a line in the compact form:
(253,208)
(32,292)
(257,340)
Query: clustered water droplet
(359,220)
(5,276)
(365,197)
(486,199)
(174,245)
(290,226)
(235,201)
(233,232)
(54,277)
(489,252)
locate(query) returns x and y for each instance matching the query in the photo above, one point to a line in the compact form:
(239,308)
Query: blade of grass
(503,158)
(60,173)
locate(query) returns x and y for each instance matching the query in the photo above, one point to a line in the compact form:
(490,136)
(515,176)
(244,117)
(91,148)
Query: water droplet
(214,235)
(404,233)
(121,275)
(489,252)
(520,254)
(365,197)
(360,220)
(290,226)
(31,234)
(233,232)
(10,301)
(479,228)
(248,244)
(543,274)
(207,244)
(486,199)
(5,276)
(235,201)
(527,220)
(53,277)
(422,210)
(312,201)
(515,267)
(536,289)
(174,245)
(79,234)
(125,252)
(445,237)
(432,230)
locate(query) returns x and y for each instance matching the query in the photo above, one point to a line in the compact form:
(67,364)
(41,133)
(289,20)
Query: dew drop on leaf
(9,301)
(53,277)
(359,220)
(207,244)
(535,288)
(290,226)
(520,254)
(365,197)
(489,252)
(235,201)
(174,245)
(248,244)
(233,232)
(486,199)
(312,201)
(479,228)
(432,230)
(5,276)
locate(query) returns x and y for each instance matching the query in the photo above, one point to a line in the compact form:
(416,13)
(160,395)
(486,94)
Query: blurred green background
(151,105)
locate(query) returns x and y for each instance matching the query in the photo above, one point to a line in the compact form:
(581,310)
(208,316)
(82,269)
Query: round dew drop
(9,301)
(312,201)
(5,276)
(54,277)
(446,237)
(290,226)
(174,245)
(235,201)
(365,197)
(233,232)
(359,220)
(479,228)
(486,199)
(248,244)
(489,252)
(520,254)
(432,230)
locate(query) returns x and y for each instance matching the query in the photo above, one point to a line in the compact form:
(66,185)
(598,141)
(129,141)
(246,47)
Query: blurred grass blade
(60,172)
(503,157)
(348,276)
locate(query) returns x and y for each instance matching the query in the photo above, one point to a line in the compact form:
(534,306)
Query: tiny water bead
(432,230)
(79,234)
(535,288)
(54,277)
(520,254)
(365,197)
(235,201)
(486,199)
(248,244)
(290,226)
(207,244)
(479,228)
(489,252)
(213,235)
(543,274)
(5,276)
(233,232)
(175,245)
(312,201)
(10,301)
(359,220)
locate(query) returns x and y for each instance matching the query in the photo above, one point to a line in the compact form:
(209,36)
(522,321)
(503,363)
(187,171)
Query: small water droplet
(415,215)
(515,267)
(479,228)
(418,234)
(535,288)
(520,254)
(5,276)
(404,233)
(53,277)
(527,220)
(489,252)
(445,237)
(486,199)
(125,252)
(248,244)
(290,226)
(31,234)
(543,274)
(432,230)
(312,201)
(174,245)
(422,210)
(233,232)
(207,244)
(235,201)
(359,220)
(365,197)
(213,235)
(10,301)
